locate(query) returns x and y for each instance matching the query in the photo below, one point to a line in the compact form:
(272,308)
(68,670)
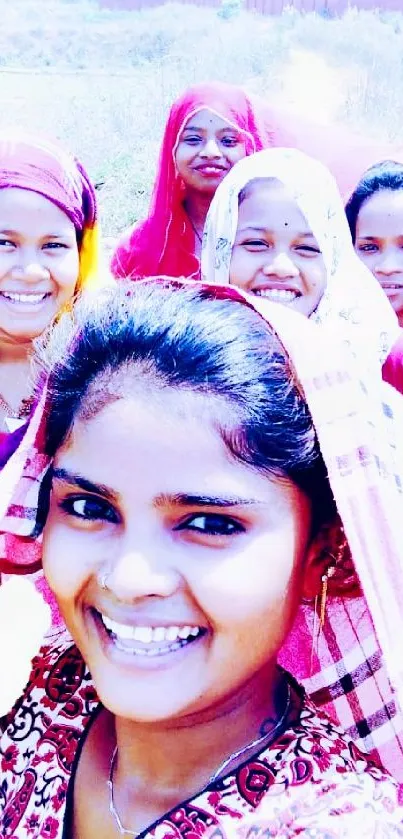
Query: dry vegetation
(102,81)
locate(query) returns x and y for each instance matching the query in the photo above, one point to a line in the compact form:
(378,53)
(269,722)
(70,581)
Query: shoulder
(123,261)
(42,734)
(329,788)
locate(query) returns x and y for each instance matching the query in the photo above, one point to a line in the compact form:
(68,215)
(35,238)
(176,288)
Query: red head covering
(164,242)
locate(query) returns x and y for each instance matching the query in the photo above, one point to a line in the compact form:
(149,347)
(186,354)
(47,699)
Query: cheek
(69,558)
(65,274)
(317,277)
(262,579)
(237,154)
(243,266)
(182,157)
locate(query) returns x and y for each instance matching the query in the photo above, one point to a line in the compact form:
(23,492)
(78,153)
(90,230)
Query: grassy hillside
(103,81)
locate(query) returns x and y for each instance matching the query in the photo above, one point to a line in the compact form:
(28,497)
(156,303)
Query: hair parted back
(385,175)
(186,338)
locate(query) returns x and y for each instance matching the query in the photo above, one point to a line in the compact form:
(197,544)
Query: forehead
(170,441)
(22,208)
(382,214)
(206,120)
(269,204)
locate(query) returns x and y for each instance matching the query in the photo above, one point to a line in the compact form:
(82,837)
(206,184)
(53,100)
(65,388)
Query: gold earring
(320,613)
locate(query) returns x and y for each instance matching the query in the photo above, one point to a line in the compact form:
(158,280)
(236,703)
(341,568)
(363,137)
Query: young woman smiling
(48,252)
(186,558)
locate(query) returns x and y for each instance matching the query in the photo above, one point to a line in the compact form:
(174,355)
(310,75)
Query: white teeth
(24,298)
(143,634)
(278,295)
(172,633)
(149,634)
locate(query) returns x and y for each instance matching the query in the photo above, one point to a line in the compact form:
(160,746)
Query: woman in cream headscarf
(277,228)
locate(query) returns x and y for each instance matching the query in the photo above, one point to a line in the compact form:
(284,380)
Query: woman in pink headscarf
(48,252)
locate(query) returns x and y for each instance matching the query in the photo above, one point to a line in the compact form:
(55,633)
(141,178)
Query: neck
(197,206)
(13,351)
(180,757)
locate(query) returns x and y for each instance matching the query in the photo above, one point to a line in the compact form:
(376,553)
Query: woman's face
(208,148)
(379,242)
(275,253)
(203,556)
(39,263)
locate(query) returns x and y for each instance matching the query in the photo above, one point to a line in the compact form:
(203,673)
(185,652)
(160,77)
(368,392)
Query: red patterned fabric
(309,779)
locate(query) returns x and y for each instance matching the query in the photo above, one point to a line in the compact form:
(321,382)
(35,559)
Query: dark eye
(255,244)
(55,245)
(309,250)
(212,524)
(6,243)
(89,508)
(230,141)
(192,140)
(367,248)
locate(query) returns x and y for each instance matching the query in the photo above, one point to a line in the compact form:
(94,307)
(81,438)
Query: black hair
(385,175)
(188,338)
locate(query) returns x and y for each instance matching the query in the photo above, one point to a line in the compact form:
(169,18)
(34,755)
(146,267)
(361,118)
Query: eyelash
(215,525)
(102,510)
(51,245)
(229,142)
(259,243)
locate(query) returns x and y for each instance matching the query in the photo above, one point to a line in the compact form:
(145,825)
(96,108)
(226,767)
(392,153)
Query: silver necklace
(124,831)
(198,235)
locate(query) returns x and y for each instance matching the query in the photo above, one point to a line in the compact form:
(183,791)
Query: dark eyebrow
(184,500)
(73,479)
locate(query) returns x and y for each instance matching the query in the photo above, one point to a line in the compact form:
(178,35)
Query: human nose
(280,265)
(389,263)
(139,572)
(211,148)
(30,269)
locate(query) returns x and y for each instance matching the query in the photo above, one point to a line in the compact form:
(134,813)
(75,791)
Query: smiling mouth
(149,641)
(277,295)
(31,299)
(392,286)
(210,169)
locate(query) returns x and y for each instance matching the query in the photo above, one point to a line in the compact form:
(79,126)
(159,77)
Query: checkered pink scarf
(358,671)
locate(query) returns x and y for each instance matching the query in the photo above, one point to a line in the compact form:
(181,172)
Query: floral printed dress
(310,782)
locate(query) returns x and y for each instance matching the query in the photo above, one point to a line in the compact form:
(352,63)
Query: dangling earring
(103,580)
(320,612)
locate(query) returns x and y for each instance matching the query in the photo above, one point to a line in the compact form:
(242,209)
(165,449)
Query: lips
(148,641)
(211,169)
(392,286)
(20,298)
(286,296)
